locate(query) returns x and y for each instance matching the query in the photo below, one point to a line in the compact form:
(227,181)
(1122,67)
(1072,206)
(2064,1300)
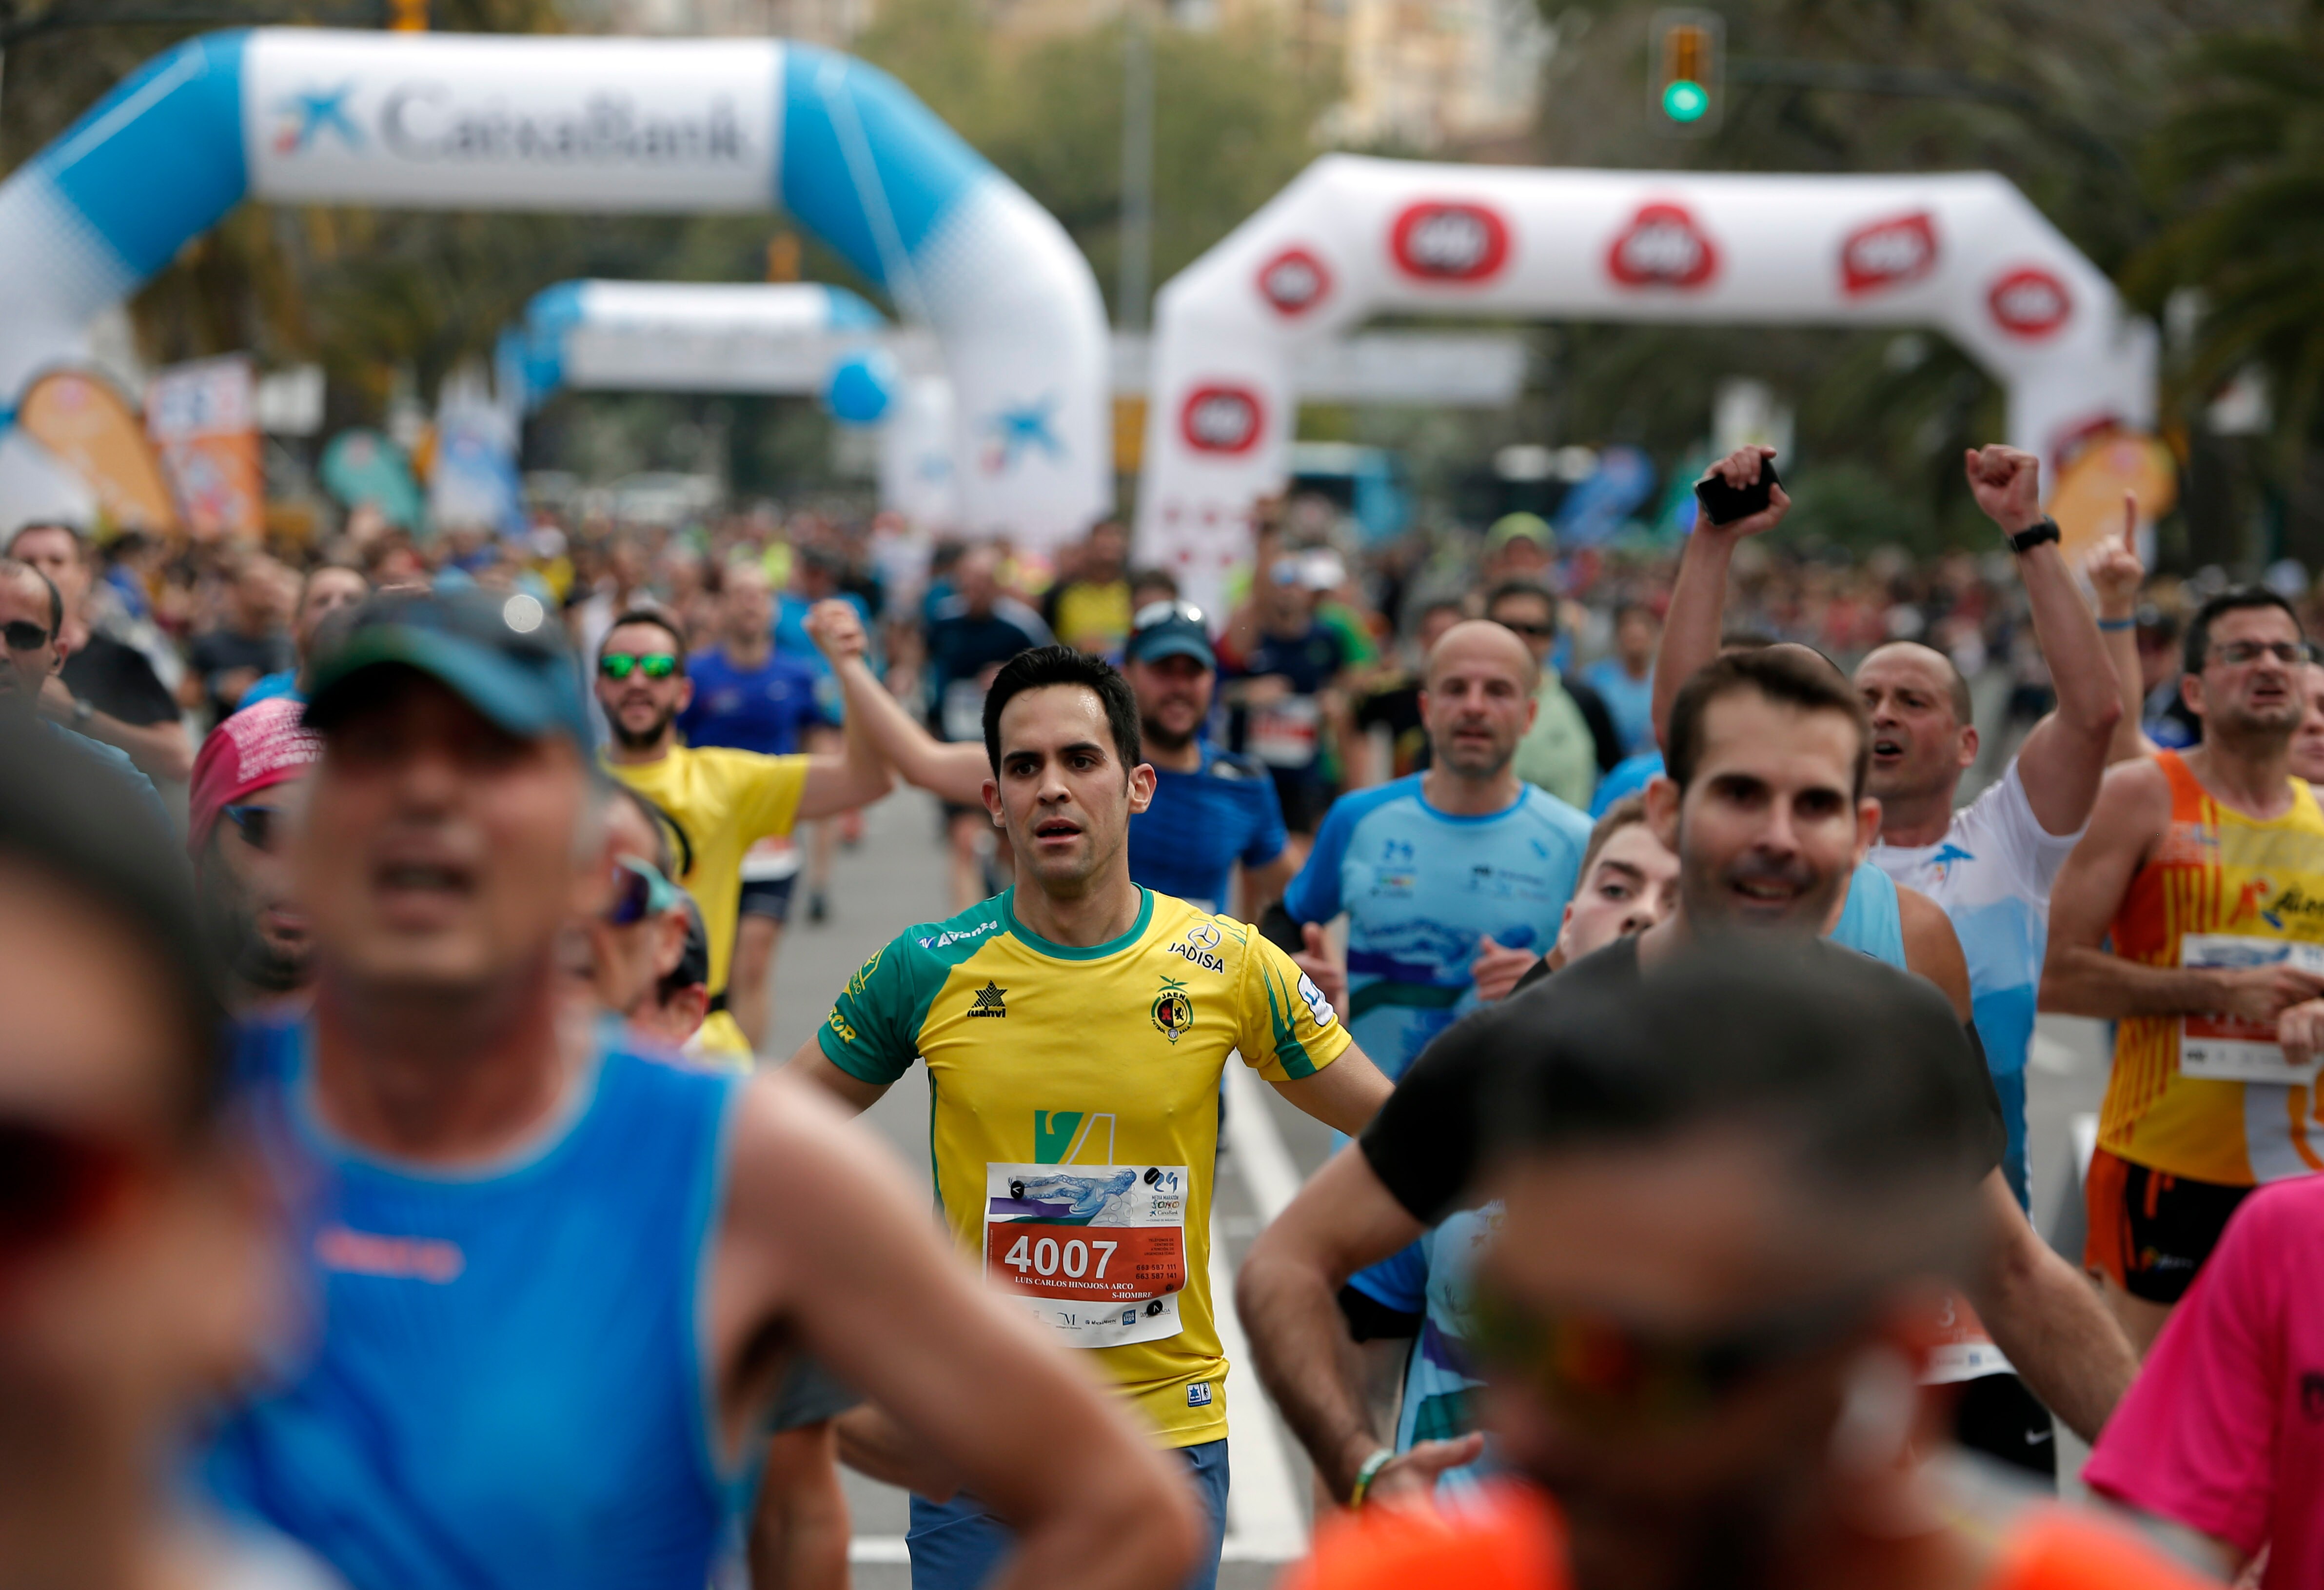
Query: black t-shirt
(118,681)
(1397,708)
(1428,1142)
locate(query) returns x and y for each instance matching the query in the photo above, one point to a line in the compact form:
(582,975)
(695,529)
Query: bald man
(1990,864)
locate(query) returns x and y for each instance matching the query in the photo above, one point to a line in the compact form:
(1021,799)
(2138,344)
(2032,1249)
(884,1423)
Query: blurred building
(818,22)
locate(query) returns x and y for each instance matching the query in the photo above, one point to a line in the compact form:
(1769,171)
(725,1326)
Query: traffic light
(1689,68)
(407,17)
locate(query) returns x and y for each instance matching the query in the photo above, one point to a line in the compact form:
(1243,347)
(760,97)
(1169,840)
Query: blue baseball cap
(1169,629)
(502,653)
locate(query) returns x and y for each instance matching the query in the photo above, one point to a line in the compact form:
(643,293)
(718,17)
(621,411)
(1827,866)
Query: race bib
(1962,1350)
(1095,1253)
(963,710)
(2228,1048)
(1283,734)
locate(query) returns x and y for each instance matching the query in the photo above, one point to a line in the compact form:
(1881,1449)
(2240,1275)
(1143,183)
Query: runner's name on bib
(1284,734)
(1096,1252)
(2228,1048)
(963,710)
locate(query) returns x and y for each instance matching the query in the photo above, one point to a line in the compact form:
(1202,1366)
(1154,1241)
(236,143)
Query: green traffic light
(1683,101)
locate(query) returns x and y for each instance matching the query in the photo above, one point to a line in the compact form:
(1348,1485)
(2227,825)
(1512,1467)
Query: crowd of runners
(397,1188)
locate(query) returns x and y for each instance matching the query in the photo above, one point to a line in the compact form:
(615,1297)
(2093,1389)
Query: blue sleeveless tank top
(1869,923)
(504,1384)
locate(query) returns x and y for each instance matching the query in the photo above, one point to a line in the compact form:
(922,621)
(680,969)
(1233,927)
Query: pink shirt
(2223,1430)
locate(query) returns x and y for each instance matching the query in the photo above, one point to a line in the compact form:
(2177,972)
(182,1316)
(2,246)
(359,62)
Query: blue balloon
(860,388)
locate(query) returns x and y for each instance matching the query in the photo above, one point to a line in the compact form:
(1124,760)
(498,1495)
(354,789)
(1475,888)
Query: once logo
(1439,241)
(1662,247)
(1222,420)
(1294,282)
(2031,303)
(1888,254)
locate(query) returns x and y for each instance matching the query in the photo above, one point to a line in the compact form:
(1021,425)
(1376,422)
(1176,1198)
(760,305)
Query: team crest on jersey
(1172,1012)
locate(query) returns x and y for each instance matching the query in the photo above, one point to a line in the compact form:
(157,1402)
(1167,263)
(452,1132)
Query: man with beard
(2205,869)
(1763,804)
(724,800)
(247,778)
(1779,1146)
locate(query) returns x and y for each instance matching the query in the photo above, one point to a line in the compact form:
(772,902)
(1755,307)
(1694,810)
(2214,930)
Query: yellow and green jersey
(726,801)
(1074,1115)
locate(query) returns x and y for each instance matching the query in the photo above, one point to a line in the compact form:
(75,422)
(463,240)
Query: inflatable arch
(790,337)
(1354,237)
(543,122)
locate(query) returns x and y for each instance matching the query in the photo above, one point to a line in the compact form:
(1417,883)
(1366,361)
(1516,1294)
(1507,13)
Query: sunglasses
(654,665)
(1155,613)
(257,825)
(22,635)
(640,890)
(1609,1376)
(1526,629)
(56,1186)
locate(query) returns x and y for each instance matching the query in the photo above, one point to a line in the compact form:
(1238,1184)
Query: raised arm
(865,1283)
(1699,598)
(953,773)
(2065,754)
(2116,574)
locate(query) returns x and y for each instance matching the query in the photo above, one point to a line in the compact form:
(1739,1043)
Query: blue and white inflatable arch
(494,121)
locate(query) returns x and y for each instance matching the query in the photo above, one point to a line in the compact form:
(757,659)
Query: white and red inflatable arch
(1353,237)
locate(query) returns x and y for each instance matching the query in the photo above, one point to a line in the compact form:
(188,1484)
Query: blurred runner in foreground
(561,1284)
(1075,1030)
(1711,1379)
(137,1269)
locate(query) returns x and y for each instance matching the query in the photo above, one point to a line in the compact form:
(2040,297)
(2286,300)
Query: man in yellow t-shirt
(1075,1028)
(720,801)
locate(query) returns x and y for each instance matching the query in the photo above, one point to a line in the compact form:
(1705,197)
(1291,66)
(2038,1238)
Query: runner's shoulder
(951,941)
(1559,816)
(1232,767)
(1186,929)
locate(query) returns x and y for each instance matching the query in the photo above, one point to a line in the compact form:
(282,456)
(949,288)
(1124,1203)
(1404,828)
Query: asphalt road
(896,877)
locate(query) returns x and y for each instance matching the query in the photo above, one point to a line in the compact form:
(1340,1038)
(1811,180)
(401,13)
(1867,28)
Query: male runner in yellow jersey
(723,802)
(1075,1028)
(2207,868)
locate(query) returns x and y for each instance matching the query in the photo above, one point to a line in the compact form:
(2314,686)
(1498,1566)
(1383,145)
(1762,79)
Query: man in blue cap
(558,1283)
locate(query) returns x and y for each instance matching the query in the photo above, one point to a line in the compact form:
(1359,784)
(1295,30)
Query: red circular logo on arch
(1888,254)
(1442,240)
(1294,282)
(2030,302)
(1222,420)
(1663,246)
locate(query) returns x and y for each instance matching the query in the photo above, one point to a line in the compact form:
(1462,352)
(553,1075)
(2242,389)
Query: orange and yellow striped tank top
(2223,889)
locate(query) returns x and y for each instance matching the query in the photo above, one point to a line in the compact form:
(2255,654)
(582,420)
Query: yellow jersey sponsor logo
(989,1000)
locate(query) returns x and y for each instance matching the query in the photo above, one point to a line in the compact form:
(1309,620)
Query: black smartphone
(1723,505)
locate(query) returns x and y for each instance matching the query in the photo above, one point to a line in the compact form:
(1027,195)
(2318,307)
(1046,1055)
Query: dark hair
(1155,577)
(659,620)
(1744,640)
(79,540)
(1062,665)
(1531,589)
(1447,605)
(1777,673)
(1623,610)
(1859,1077)
(79,825)
(2199,628)
(16,568)
(1629,811)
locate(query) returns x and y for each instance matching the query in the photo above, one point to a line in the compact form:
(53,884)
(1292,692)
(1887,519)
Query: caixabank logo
(2029,302)
(1294,282)
(1222,419)
(1663,246)
(433,122)
(1448,240)
(1887,254)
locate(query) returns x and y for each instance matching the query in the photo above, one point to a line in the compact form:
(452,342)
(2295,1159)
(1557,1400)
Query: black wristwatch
(2035,535)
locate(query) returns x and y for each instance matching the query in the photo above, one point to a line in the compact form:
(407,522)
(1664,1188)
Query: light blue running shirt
(1422,888)
(507,1387)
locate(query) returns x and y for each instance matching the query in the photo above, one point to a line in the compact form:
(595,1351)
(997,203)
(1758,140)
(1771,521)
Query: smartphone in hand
(1724,505)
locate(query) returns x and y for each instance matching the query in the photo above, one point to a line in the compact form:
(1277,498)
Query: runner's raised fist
(2007,484)
(837,629)
(1741,470)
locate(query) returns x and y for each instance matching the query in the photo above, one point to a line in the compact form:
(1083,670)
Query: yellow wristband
(1367,1474)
